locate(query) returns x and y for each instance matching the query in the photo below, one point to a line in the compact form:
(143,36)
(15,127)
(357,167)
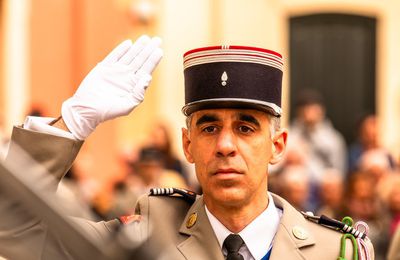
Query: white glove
(114,87)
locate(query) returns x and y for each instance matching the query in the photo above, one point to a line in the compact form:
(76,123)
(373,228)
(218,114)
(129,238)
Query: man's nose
(226,144)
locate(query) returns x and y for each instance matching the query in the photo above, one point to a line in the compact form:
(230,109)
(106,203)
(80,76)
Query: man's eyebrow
(249,118)
(206,119)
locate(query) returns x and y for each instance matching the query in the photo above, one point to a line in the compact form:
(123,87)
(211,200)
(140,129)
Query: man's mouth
(227,171)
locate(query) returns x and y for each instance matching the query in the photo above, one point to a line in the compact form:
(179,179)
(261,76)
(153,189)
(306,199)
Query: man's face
(312,114)
(231,150)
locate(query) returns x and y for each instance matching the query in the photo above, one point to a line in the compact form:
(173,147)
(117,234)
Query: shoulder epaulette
(187,195)
(334,224)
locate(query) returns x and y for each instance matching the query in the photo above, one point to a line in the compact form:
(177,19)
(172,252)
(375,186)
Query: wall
(2,61)
(388,54)
(50,63)
(265,23)
(15,58)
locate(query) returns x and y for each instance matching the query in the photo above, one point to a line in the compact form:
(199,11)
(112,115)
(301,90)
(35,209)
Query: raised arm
(113,88)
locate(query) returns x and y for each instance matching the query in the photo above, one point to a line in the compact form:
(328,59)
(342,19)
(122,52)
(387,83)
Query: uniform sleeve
(55,153)
(21,235)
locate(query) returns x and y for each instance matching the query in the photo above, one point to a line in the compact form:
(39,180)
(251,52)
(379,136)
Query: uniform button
(300,233)
(191,220)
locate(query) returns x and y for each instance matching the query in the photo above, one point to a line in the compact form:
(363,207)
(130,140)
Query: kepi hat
(233,77)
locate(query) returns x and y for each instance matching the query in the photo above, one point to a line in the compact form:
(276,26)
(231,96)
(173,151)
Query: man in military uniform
(233,106)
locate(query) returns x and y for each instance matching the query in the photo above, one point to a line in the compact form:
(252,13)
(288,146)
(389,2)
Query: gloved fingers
(118,52)
(151,63)
(135,49)
(145,53)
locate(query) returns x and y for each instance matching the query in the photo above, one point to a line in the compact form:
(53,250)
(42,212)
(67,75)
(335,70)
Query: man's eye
(210,129)
(245,129)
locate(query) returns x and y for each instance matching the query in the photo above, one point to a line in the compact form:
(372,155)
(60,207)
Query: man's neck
(236,218)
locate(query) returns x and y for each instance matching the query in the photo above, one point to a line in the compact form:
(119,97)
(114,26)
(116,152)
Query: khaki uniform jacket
(164,217)
(394,249)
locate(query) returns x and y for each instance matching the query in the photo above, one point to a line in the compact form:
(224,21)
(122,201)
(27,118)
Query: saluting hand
(114,87)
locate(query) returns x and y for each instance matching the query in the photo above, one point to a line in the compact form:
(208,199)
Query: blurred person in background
(81,186)
(314,143)
(394,207)
(368,140)
(375,163)
(161,139)
(330,192)
(293,158)
(362,202)
(149,171)
(71,189)
(295,187)
(389,191)
(324,147)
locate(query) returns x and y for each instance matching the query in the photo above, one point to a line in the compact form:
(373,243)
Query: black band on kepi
(233,77)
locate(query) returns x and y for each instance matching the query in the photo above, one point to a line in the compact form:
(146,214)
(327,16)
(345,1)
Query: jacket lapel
(292,234)
(202,242)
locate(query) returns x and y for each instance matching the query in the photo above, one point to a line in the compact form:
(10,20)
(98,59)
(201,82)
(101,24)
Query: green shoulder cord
(343,247)
(348,221)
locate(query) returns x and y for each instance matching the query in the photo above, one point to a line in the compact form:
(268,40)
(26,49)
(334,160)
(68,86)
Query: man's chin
(229,196)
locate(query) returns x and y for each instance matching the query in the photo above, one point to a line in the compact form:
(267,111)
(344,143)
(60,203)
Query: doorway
(335,55)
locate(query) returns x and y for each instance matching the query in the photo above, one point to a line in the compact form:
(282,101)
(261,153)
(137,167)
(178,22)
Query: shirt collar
(258,235)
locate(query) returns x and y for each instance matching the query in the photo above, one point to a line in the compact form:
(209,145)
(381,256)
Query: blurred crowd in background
(323,174)
(320,173)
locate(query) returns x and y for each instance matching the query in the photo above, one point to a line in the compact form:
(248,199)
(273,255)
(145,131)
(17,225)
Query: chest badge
(224,78)
(191,220)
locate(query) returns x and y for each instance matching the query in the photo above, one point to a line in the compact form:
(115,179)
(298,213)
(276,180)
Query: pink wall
(68,38)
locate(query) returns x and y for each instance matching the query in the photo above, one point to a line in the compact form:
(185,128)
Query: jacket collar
(293,233)
(202,243)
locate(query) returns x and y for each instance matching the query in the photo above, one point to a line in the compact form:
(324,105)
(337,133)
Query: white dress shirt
(257,236)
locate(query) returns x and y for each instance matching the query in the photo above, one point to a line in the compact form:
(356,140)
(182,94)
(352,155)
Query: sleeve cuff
(41,124)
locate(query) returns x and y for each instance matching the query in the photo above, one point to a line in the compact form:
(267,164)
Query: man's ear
(278,146)
(186,142)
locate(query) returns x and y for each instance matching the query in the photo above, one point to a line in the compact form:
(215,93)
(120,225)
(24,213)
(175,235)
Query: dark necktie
(232,244)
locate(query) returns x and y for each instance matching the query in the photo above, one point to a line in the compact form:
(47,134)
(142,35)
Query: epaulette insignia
(187,195)
(357,234)
(129,219)
(334,224)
